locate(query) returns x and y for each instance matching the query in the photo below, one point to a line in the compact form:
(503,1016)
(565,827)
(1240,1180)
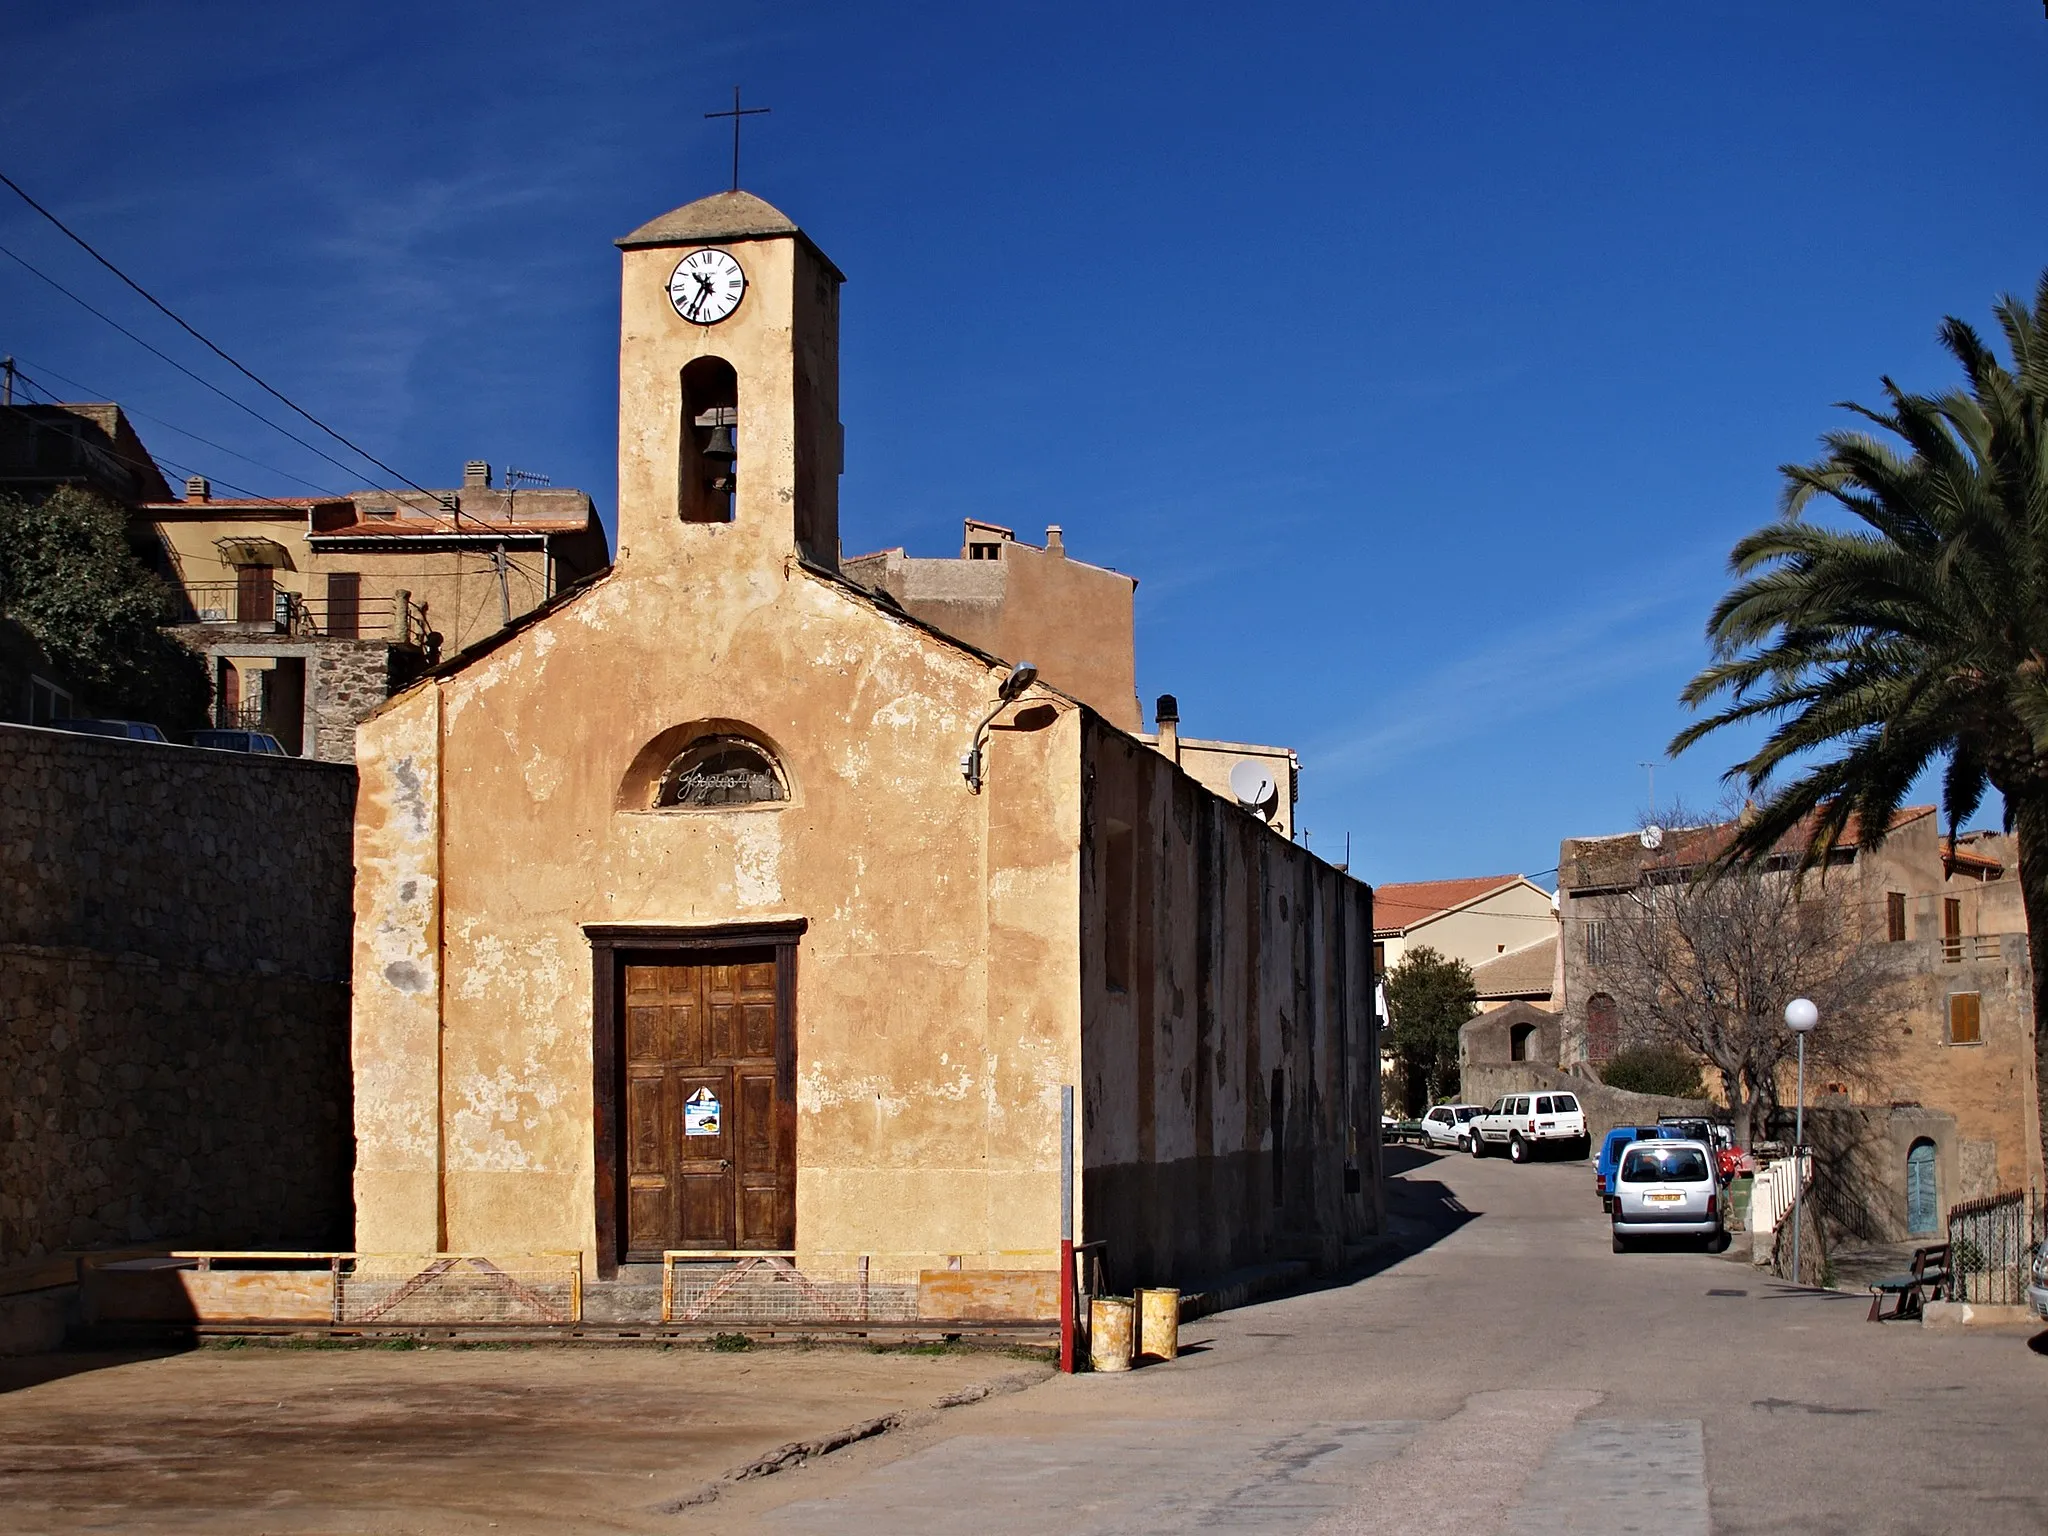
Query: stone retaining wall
(174,955)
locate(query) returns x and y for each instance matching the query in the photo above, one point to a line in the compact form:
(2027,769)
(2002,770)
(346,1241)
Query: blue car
(1610,1153)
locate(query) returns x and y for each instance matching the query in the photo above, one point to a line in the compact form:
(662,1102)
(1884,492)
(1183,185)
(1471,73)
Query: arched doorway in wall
(1923,1195)
(1519,1036)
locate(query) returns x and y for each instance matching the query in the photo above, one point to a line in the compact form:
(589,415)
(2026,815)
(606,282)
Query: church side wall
(173,996)
(1244,988)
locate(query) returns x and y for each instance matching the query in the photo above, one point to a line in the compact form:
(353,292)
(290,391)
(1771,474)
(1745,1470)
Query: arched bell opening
(708,478)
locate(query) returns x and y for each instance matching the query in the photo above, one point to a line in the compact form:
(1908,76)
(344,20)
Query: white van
(1522,1122)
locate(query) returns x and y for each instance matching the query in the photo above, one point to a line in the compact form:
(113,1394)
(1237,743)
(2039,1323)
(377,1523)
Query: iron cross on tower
(736,114)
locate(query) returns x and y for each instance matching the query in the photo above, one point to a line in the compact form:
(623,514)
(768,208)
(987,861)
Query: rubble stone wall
(174,953)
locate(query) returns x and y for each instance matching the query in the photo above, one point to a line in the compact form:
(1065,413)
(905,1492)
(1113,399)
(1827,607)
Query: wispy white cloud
(1530,671)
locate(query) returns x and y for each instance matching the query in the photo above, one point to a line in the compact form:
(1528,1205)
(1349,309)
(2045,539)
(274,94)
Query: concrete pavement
(1508,1377)
(1512,1376)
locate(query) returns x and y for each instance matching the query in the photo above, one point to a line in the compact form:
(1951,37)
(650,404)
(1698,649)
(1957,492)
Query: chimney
(1055,542)
(1167,713)
(196,488)
(476,475)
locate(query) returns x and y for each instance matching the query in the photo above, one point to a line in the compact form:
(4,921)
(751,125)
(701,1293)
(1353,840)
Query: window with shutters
(1965,1018)
(1895,916)
(344,605)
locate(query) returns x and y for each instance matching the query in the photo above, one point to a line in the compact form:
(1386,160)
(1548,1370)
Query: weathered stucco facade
(526,861)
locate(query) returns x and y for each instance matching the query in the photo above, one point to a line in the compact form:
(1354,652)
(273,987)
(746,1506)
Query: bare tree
(1707,963)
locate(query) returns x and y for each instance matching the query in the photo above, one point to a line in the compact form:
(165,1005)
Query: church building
(723,906)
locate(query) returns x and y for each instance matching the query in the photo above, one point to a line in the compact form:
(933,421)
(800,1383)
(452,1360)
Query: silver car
(1666,1188)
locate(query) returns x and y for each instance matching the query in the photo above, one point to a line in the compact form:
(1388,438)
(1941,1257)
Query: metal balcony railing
(1969,946)
(397,619)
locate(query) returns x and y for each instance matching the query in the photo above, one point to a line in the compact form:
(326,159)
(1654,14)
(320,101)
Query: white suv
(1446,1125)
(1522,1121)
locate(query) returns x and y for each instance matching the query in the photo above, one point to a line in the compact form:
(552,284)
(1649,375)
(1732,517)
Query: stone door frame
(612,947)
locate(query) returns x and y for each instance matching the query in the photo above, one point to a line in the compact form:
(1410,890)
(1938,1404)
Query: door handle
(725,1165)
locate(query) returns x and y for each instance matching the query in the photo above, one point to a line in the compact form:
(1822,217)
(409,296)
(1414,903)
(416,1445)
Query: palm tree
(1917,635)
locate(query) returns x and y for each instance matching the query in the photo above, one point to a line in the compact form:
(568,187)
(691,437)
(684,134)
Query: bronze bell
(719,446)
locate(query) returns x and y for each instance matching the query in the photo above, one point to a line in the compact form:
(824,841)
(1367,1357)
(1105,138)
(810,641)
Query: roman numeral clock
(707,286)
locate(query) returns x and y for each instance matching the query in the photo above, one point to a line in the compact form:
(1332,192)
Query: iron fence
(1991,1243)
(769,1288)
(284,612)
(447,1289)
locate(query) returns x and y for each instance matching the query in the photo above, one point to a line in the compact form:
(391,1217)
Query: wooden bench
(1930,1273)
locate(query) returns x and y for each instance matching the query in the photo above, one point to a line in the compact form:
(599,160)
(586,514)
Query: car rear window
(1566,1104)
(1664,1165)
(1470,1114)
(1543,1106)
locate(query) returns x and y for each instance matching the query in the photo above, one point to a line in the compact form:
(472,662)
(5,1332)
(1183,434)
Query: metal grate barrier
(1992,1243)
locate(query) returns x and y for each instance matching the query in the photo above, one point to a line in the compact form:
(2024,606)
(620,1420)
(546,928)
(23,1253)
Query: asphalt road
(1511,1375)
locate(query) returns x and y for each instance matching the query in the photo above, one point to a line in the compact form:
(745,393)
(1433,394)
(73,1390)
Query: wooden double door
(707,1104)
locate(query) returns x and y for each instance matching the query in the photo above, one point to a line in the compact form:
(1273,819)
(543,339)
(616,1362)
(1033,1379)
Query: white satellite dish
(1652,838)
(1253,785)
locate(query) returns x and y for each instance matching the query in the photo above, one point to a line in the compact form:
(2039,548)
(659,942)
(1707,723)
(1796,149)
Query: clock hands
(702,297)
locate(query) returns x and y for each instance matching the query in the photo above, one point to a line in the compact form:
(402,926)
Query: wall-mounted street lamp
(1022,676)
(1800,1017)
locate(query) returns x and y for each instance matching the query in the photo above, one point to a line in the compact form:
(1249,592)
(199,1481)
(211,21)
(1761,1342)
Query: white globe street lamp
(1800,1018)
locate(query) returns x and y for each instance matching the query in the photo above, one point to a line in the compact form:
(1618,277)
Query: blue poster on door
(700,1113)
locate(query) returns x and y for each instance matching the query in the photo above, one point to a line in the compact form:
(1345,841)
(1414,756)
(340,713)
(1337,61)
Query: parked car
(1445,1125)
(2037,1293)
(1524,1122)
(1612,1145)
(1667,1188)
(133,730)
(239,741)
(1729,1159)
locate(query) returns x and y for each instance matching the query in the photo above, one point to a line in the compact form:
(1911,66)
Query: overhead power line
(204,383)
(86,391)
(160,463)
(29,382)
(178,320)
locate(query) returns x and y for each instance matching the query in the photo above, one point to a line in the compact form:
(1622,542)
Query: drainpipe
(1067,1228)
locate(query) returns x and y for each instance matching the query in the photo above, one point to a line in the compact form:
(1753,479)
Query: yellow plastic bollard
(1110,1322)
(1159,1323)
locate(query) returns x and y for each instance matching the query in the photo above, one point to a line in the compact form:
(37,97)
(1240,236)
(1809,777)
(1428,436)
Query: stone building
(1946,925)
(174,947)
(723,905)
(89,446)
(312,611)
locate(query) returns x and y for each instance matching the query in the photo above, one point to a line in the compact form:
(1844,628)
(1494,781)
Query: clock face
(707,286)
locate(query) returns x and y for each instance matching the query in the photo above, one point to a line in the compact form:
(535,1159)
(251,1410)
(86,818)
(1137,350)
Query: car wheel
(1464,1143)
(1518,1149)
(1719,1242)
(1478,1147)
(1620,1242)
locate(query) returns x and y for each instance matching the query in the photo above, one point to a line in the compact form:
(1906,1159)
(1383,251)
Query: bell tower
(729,440)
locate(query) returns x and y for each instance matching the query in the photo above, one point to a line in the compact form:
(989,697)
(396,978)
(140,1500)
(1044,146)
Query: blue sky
(1421,361)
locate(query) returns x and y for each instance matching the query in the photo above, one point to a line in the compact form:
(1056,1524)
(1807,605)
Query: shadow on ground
(18,1372)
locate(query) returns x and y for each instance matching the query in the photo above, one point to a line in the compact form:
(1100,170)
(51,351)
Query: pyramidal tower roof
(721,216)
